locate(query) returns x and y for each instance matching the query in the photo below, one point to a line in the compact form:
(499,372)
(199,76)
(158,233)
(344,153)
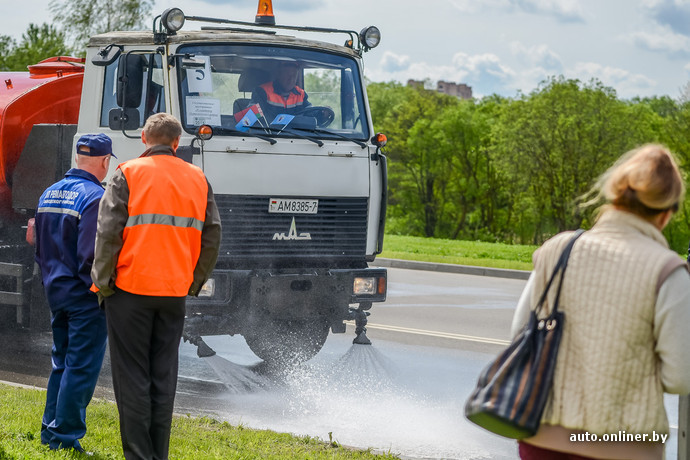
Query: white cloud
(562,10)
(482,65)
(392,62)
(663,40)
(537,56)
(472,6)
(671,13)
(626,83)
(485,73)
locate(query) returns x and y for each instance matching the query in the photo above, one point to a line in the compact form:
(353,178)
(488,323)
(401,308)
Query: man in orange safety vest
(157,241)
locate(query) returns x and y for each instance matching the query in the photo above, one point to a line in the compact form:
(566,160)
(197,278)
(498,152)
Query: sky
(637,47)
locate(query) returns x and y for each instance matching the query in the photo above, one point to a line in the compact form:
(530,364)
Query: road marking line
(443,335)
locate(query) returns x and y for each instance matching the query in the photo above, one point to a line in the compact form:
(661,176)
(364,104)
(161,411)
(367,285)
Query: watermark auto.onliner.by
(621,436)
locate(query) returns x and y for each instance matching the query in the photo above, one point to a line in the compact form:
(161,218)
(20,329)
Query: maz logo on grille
(292,234)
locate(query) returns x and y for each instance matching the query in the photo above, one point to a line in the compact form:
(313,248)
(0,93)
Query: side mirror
(123,119)
(130,80)
(106,55)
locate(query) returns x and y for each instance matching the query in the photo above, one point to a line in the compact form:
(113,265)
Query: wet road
(404,394)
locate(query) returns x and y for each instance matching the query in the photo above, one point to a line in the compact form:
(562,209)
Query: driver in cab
(282,95)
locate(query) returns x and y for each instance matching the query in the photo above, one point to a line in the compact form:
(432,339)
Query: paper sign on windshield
(199,80)
(203,111)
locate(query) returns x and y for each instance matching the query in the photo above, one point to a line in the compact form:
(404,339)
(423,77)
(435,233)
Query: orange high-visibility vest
(162,237)
(294,99)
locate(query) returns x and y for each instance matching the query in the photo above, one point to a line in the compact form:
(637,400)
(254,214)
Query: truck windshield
(271,91)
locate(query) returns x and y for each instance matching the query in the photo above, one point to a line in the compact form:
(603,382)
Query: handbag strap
(560,267)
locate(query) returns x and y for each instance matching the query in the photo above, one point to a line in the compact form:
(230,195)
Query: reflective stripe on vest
(295,97)
(162,237)
(165,219)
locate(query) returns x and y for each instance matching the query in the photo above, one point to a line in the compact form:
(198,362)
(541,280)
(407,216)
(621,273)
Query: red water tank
(50,92)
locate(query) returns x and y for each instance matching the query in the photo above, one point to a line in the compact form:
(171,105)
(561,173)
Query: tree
(40,42)
(418,171)
(474,198)
(83,18)
(555,142)
(37,43)
(7,46)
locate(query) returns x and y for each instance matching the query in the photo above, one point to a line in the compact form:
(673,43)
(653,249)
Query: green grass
(192,438)
(477,253)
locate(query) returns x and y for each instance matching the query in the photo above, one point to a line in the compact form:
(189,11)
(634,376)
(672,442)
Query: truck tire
(287,342)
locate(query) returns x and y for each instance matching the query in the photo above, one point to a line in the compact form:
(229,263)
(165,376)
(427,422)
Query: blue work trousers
(79,339)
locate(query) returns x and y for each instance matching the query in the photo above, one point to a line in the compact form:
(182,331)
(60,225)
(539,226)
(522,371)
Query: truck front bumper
(290,294)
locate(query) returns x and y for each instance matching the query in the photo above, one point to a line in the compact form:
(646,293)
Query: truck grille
(337,231)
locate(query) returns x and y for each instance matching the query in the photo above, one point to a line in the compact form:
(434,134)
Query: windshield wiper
(332,133)
(247,133)
(289,131)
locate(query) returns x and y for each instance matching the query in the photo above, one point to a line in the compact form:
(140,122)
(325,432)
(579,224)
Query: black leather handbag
(511,392)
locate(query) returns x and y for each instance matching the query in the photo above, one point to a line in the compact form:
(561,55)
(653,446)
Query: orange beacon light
(264,13)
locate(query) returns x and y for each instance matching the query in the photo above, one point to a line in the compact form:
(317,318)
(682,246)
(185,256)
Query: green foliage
(514,169)
(555,142)
(83,18)
(37,43)
(419,175)
(7,45)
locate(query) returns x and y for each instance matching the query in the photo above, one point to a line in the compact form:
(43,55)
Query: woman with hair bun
(626,299)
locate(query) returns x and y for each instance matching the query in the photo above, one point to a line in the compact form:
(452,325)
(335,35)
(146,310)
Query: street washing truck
(302,195)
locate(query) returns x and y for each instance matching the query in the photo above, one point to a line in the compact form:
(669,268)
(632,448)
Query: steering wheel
(324,115)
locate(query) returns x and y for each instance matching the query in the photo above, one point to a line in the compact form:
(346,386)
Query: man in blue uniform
(65,236)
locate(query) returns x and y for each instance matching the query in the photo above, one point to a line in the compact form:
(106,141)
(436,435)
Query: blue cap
(99,145)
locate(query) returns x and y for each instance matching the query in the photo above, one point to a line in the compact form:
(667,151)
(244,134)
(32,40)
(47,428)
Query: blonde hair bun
(645,180)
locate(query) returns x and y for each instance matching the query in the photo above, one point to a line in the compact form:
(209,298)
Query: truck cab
(301,193)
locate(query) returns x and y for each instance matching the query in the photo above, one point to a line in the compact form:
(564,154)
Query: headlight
(208,289)
(365,286)
(370,37)
(172,19)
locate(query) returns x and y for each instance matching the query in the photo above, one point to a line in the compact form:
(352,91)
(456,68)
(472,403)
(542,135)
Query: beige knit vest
(607,375)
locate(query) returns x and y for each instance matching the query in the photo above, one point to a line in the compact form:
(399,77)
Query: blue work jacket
(65,237)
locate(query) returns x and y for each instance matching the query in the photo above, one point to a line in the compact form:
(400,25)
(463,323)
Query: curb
(452,268)
(20,385)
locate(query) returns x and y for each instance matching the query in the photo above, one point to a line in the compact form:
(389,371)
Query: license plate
(292,206)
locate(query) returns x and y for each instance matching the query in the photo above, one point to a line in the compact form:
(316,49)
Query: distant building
(415,83)
(459,90)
